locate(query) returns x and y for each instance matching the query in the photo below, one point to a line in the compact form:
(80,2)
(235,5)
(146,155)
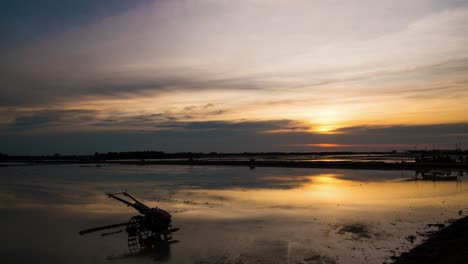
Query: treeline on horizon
(142,155)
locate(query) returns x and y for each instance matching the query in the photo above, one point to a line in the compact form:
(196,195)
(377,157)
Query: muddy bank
(275,163)
(378,165)
(450,245)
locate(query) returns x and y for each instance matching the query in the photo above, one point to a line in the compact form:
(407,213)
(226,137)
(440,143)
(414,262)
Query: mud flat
(307,164)
(377,165)
(450,245)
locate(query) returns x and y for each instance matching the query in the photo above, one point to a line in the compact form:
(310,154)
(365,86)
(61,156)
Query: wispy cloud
(52,118)
(148,49)
(160,132)
(177,66)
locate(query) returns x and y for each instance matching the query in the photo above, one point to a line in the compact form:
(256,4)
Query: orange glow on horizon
(328,145)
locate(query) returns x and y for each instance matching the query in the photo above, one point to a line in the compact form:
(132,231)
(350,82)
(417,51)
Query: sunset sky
(232,76)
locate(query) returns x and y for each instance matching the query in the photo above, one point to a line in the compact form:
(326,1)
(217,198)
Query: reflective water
(226,215)
(388,158)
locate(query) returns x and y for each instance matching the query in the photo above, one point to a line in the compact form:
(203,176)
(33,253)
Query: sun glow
(326,120)
(328,145)
(325,129)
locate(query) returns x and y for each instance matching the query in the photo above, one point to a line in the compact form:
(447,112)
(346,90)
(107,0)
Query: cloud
(175,45)
(265,72)
(223,136)
(434,129)
(89,120)
(52,118)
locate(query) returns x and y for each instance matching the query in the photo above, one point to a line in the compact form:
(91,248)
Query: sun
(325,129)
(325,121)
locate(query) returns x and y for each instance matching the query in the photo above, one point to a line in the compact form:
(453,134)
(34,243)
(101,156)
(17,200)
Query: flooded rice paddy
(228,215)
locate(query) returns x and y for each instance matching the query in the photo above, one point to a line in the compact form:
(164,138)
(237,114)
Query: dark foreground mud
(450,245)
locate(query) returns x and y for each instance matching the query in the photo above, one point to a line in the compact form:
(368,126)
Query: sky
(232,76)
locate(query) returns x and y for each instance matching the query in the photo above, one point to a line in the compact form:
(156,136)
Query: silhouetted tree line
(162,155)
(191,155)
(146,155)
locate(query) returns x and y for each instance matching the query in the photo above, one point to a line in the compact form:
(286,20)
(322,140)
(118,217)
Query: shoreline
(449,245)
(353,165)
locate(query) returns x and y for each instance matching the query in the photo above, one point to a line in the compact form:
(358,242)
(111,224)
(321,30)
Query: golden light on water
(241,209)
(333,194)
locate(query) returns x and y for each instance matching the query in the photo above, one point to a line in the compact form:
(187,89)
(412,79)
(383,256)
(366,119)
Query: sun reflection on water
(267,215)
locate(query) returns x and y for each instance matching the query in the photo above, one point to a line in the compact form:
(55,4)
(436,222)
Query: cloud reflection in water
(226,215)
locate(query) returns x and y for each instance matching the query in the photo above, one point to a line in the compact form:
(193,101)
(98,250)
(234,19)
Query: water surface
(226,214)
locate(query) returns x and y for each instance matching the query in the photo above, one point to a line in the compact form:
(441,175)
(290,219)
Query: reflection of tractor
(147,231)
